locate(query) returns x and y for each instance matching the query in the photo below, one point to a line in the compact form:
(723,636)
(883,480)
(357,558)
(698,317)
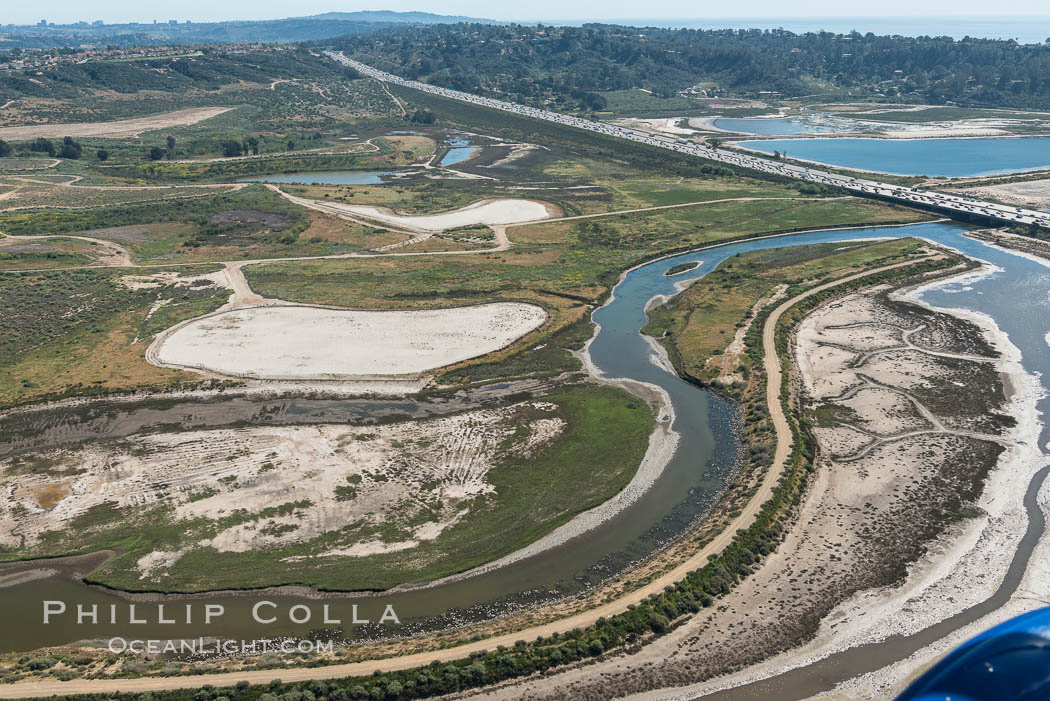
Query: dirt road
(117,254)
(121,128)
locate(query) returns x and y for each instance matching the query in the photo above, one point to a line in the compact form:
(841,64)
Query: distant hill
(293,29)
(389,16)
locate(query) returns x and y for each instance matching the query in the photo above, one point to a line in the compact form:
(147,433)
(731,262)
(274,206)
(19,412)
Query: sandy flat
(121,128)
(488,212)
(303,343)
(1030,193)
(425,470)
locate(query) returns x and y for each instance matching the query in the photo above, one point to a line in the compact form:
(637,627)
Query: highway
(965,208)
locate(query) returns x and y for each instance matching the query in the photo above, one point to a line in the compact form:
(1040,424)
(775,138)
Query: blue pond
(458,155)
(945,157)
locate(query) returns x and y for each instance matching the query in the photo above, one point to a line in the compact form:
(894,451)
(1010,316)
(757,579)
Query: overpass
(964,208)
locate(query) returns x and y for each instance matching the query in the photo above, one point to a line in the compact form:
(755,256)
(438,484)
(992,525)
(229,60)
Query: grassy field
(639,103)
(699,324)
(54,194)
(417,198)
(67,333)
(50,253)
(594,457)
(656,192)
(249,223)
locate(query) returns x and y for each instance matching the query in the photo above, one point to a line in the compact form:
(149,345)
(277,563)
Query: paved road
(968,208)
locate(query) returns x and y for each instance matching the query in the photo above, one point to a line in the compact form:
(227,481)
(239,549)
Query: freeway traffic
(968,208)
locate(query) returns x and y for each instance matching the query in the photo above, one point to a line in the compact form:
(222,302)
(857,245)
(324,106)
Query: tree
(5,149)
(42,145)
(252,144)
(171,147)
(70,148)
(103,154)
(231,148)
(593,101)
(156,153)
(423,117)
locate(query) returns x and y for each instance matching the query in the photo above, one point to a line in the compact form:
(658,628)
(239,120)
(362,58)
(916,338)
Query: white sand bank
(292,342)
(488,212)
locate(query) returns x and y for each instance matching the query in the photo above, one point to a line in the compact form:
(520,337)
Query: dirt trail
(404,112)
(74,179)
(782,429)
(120,128)
(120,255)
(242,292)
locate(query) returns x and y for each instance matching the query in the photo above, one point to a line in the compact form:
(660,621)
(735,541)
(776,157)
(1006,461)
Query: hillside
(563,66)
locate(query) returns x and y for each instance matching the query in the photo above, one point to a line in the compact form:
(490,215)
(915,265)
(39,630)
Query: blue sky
(205,10)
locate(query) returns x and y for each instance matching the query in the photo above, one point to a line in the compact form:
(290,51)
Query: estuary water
(688,485)
(458,155)
(955,157)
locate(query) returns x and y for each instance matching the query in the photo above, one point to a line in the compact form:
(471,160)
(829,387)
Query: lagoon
(953,158)
(457,155)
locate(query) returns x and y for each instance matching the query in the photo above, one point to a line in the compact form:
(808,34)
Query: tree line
(542,63)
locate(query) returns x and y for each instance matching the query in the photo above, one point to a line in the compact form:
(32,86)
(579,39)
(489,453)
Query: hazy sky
(62,11)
